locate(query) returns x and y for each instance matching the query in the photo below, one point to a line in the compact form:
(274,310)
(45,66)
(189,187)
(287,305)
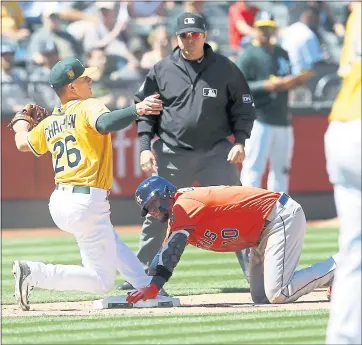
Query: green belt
(77,189)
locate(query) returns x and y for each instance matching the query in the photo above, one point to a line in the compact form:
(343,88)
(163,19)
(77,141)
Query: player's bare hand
(151,105)
(148,162)
(236,154)
(272,84)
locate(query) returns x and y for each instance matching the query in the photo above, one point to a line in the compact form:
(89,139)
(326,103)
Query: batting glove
(148,292)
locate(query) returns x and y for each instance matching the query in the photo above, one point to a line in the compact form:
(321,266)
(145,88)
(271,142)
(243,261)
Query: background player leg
(257,289)
(257,152)
(284,242)
(344,169)
(176,166)
(214,170)
(280,159)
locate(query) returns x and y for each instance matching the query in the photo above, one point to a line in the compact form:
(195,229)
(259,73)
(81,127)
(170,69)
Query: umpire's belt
(76,189)
(277,208)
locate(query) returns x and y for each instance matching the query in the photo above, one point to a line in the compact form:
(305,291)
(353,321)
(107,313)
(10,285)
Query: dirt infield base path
(198,304)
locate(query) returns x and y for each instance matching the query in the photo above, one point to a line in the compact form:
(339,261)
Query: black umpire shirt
(202,104)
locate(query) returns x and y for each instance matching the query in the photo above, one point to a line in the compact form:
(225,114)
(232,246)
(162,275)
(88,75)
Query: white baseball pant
(87,218)
(343,154)
(273,143)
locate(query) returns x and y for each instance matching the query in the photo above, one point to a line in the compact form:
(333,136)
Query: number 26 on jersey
(65,154)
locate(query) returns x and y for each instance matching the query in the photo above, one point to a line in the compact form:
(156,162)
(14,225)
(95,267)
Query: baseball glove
(32,114)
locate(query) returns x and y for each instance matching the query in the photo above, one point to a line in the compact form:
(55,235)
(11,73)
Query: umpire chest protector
(199,109)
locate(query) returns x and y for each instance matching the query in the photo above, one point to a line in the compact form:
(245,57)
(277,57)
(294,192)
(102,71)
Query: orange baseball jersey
(222,218)
(81,155)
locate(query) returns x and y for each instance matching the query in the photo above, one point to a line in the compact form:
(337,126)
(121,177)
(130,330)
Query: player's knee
(276,297)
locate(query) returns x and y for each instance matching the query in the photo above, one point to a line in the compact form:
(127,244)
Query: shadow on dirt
(235,290)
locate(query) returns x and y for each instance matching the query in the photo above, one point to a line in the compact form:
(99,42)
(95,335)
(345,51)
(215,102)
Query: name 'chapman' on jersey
(58,126)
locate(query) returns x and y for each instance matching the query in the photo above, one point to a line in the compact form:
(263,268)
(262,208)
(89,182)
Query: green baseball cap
(66,71)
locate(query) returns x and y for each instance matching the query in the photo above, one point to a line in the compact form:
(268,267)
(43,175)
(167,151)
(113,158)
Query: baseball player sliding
(77,134)
(227,219)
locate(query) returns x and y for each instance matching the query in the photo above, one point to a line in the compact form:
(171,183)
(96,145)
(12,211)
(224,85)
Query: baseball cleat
(21,273)
(329,293)
(125,286)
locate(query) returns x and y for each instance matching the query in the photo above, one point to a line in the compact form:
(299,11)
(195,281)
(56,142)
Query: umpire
(205,100)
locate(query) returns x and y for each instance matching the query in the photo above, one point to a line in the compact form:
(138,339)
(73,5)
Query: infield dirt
(196,304)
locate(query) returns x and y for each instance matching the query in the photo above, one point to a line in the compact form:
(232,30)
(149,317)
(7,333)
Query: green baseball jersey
(259,64)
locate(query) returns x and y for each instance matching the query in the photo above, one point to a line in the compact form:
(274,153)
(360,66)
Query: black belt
(76,189)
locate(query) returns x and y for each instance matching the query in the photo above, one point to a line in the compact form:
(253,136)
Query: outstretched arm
(162,266)
(21,130)
(120,119)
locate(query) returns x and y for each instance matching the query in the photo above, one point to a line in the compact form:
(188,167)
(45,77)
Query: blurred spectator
(331,30)
(80,17)
(328,20)
(147,12)
(196,7)
(133,70)
(159,40)
(13,82)
(241,19)
(33,11)
(169,5)
(301,42)
(72,11)
(39,88)
(50,31)
(69,11)
(100,79)
(13,25)
(145,15)
(130,77)
(109,34)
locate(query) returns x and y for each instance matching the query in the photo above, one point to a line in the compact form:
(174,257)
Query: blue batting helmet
(154,186)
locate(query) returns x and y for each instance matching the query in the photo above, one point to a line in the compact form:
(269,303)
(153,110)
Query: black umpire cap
(190,22)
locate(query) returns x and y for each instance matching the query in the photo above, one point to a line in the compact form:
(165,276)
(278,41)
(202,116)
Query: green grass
(305,327)
(198,272)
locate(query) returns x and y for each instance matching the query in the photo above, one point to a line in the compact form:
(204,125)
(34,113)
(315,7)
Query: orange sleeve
(185,214)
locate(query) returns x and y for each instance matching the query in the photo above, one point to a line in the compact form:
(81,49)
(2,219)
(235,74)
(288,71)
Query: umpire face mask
(158,207)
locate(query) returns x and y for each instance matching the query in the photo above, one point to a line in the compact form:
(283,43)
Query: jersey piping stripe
(31,147)
(331,271)
(285,242)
